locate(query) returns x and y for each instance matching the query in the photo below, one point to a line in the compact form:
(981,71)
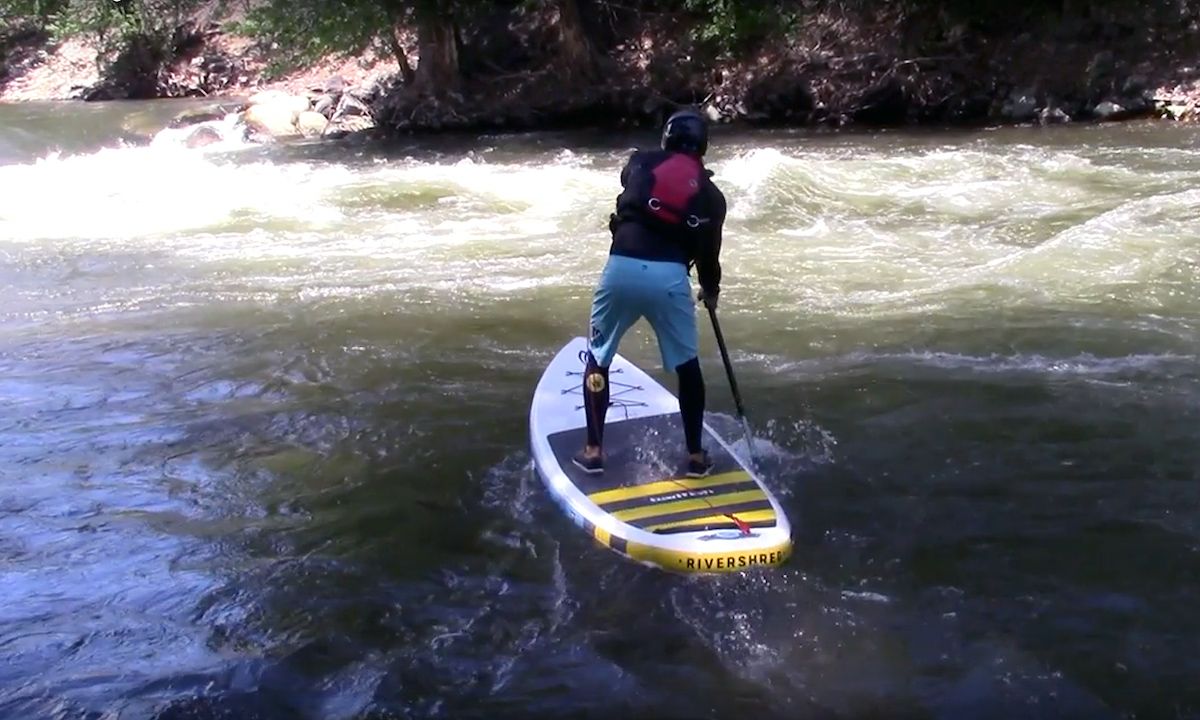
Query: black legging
(691,402)
(595,400)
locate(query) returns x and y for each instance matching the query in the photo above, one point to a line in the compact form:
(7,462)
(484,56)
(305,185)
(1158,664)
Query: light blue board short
(661,292)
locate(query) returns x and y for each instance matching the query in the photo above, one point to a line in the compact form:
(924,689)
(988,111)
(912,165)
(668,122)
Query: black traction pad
(637,451)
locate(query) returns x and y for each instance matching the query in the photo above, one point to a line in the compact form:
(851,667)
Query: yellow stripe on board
(715,502)
(752,516)
(665,486)
(602,535)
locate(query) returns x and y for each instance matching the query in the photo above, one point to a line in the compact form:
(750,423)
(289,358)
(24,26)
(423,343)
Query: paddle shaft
(737,396)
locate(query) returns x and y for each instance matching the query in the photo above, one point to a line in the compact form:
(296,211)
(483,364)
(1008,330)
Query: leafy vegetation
(732,25)
(302,31)
(145,28)
(453,38)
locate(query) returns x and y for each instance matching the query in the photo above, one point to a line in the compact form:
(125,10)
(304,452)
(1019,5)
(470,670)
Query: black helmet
(687,131)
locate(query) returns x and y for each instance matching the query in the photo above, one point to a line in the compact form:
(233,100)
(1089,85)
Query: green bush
(301,31)
(731,25)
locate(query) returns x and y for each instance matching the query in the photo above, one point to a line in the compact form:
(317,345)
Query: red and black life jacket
(664,190)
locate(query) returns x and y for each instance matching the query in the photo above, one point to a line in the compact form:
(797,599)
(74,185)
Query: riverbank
(843,68)
(884,67)
(224,63)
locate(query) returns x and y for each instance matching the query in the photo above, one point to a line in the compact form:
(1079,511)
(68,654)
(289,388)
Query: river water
(263,448)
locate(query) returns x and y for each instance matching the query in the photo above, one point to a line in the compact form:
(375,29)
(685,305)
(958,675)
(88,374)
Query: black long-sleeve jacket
(633,236)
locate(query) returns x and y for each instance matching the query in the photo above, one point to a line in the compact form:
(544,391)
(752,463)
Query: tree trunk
(437,48)
(406,71)
(578,55)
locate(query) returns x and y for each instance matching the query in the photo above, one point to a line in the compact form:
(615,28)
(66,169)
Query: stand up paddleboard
(642,505)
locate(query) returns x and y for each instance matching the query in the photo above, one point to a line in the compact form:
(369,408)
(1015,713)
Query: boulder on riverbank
(277,115)
(197,115)
(330,111)
(273,119)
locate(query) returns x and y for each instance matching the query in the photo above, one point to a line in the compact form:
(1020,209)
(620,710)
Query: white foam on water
(229,130)
(114,197)
(164,211)
(873,232)
(128,193)
(908,233)
(1130,243)
(1082,365)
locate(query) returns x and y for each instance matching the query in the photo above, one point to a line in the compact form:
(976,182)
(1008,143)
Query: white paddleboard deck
(642,505)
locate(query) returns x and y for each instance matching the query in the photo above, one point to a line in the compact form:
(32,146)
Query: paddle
(737,396)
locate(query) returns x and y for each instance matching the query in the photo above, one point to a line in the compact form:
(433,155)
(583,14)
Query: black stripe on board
(763,504)
(727,525)
(619,544)
(679,493)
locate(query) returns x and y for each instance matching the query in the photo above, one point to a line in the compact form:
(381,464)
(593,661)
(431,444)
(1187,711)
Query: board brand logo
(595,382)
(733,562)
